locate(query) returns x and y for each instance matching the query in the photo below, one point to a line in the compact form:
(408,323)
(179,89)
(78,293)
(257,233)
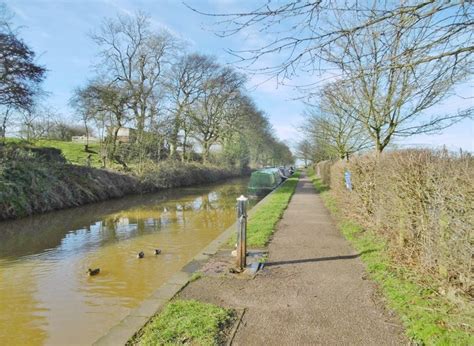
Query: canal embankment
(35,180)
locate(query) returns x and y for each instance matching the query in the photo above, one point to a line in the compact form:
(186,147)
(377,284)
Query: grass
(196,276)
(186,322)
(262,223)
(35,180)
(428,317)
(74,152)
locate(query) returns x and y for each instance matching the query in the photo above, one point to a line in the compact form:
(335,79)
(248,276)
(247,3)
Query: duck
(141,254)
(93,272)
(157,251)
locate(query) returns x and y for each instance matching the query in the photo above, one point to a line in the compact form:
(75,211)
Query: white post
(241,232)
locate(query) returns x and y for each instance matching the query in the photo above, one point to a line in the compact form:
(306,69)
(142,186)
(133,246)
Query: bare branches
(303,32)
(135,58)
(395,60)
(333,126)
(391,89)
(214,112)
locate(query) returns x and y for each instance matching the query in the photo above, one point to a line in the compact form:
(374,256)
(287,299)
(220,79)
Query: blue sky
(58,32)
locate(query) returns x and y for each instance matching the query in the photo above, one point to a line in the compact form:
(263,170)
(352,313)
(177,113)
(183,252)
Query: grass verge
(262,223)
(428,317)
(186,322)
(74,152)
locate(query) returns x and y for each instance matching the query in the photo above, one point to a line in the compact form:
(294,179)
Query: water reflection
(20,311)
(46,296)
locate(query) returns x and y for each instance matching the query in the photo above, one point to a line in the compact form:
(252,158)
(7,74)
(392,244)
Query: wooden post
(242,232)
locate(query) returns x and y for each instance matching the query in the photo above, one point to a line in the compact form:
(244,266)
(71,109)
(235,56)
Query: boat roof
(267,170)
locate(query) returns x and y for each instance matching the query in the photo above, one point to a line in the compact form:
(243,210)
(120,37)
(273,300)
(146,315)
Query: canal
(46,296)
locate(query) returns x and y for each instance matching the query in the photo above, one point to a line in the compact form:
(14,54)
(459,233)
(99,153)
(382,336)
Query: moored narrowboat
(264,181)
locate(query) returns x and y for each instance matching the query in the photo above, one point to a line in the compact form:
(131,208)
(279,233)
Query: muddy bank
(39,180)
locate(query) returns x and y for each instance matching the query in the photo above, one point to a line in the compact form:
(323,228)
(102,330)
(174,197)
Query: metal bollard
(242,232)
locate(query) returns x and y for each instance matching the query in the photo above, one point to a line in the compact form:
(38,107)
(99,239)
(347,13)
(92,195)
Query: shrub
(422,201)
(323,171)
(171,173)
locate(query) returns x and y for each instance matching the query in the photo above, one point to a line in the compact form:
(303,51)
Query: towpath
(313,289)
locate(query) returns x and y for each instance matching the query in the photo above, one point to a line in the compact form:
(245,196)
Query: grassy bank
(38,179)
(186,322)
(35,180)
(261,224)
(74,152)
(428,316)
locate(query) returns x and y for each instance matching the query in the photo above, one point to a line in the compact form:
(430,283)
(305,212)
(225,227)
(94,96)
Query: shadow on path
(306,189)
(320,259)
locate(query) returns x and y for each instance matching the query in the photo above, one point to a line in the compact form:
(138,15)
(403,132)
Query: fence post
(241,232)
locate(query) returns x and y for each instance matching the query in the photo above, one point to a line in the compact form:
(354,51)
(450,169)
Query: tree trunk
(205,153)
(174,135)
(86,147)
(379,147)
(3,131)
(114,142)
(378,142)
(185,140)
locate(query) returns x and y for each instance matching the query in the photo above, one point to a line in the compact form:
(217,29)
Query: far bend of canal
(46,297)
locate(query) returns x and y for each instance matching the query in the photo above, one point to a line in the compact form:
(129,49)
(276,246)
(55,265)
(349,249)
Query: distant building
(84,139)
(125,134)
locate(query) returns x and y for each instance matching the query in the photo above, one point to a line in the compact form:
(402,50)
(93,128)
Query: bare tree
(398,58)
(5,119)
(107,102)
(255,134)
(305,151)
(386,89)
(213,115)
(86,113)
(185,85)
(332,125)
(135,58)
(37,122)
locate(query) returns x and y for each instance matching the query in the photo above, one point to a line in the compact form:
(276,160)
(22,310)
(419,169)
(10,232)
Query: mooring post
(242,232)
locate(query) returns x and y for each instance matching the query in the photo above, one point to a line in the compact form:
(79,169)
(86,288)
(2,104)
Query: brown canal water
(46,297)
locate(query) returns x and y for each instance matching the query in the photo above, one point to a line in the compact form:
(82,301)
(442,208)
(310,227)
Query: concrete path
(313,290)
